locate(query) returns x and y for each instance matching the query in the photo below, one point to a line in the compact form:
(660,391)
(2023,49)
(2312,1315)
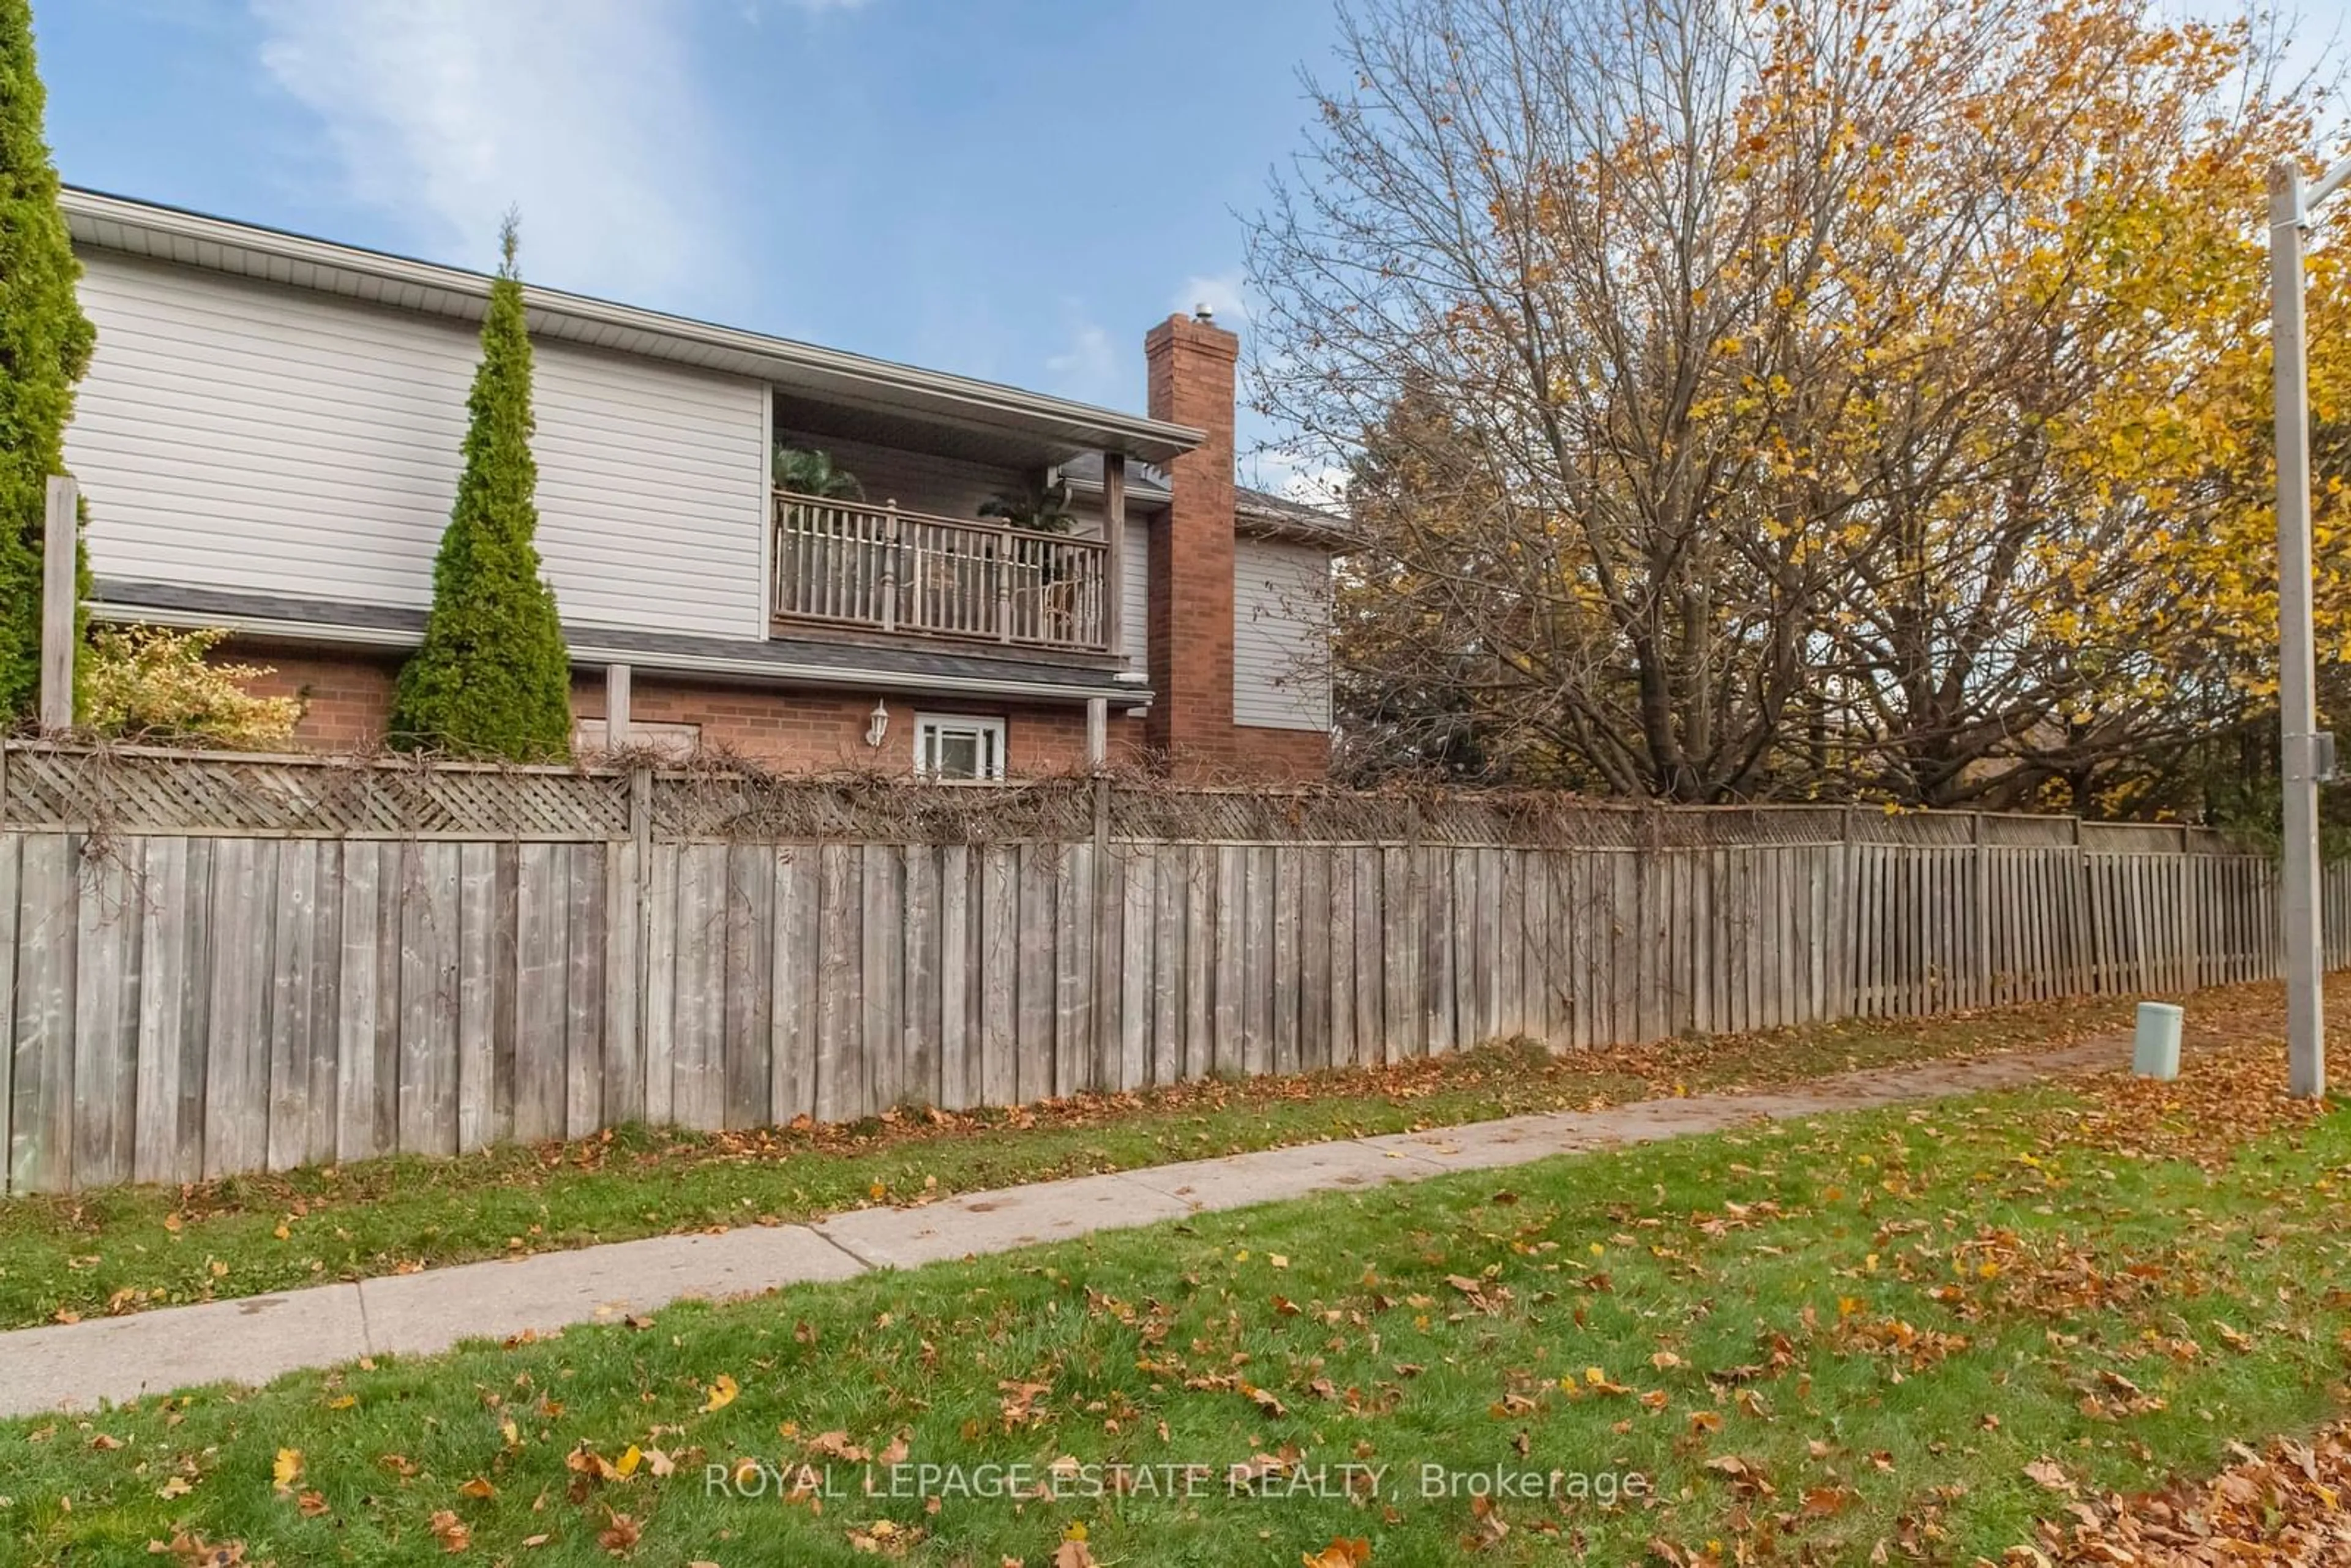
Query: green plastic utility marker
(2155,1051)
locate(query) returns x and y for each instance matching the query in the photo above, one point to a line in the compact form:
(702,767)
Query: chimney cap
(1202,314)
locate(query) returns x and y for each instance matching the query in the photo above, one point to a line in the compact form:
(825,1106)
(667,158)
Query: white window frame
(668,742)
(990,731)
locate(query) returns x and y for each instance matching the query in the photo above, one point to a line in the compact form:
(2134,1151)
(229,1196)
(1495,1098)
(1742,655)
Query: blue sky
(1014,188)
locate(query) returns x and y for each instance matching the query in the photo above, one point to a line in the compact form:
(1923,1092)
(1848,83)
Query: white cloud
(1222,292)
(580,113)
(1296,476)
(755,12)
(1087,366)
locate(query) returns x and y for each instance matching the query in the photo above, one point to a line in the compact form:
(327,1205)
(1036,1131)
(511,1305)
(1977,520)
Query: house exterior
(269,440)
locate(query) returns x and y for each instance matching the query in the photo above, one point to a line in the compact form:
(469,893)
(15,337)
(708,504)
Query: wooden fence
(190,1000)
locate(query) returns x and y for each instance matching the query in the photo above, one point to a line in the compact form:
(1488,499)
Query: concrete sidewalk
(252,1341)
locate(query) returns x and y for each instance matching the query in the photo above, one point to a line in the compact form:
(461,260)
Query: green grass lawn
(1909,1331)
(127,1248)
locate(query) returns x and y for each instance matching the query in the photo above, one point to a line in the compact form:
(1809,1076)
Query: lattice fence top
(750,806)
(149,789)
(137,788)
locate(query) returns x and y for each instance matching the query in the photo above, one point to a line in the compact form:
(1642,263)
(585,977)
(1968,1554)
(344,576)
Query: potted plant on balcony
(814,541)
(1042,508)
(807,471)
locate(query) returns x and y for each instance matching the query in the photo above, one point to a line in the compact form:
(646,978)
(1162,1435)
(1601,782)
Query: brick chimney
(1192,364)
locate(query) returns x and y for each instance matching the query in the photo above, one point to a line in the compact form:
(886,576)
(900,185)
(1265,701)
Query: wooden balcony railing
(850,564)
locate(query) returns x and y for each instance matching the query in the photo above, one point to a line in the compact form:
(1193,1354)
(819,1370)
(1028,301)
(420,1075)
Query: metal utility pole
(2305,756)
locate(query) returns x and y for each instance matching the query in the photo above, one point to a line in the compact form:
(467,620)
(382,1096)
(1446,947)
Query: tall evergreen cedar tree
(492,679)
(45,347)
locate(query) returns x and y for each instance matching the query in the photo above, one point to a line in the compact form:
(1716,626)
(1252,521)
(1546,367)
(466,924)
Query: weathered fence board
(178,1004)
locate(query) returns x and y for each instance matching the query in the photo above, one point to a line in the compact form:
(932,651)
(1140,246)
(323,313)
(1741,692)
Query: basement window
(667,742)
(952,746)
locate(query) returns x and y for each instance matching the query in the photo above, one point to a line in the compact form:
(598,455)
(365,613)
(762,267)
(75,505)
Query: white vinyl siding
(1135,591)
(241,435)
(1135,594)
(652,492)
(1281,619)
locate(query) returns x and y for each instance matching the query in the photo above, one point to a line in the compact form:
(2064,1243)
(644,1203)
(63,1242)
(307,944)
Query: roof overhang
(829,376)
(776,664)
(1258,516)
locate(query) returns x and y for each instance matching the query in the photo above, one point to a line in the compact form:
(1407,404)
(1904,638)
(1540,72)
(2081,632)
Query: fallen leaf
(286,1470)
(454,1533)
(621,1535)
(2049,1473)
(1827,1502)
(195,1551)
(835,1444)
(1265,1400)
(723,1390)
(478,1488)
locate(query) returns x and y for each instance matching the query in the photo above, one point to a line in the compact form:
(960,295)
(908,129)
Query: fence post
(1856,938)
(1982,910)
(60,560)
(1109,950)
(641,806)
(640,835)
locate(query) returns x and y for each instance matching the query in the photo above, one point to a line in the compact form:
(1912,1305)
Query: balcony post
(890,567)
(1115,553)
(1004,586)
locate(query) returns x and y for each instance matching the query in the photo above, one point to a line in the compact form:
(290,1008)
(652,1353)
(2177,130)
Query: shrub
(493,679)
(45,347)
(142,682)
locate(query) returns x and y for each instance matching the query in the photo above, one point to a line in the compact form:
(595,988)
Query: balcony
(849,564)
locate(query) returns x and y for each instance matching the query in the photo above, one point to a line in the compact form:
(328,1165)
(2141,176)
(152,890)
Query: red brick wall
(346,697)
(817,729)
(1292,756)
(347,701)
(1191,614)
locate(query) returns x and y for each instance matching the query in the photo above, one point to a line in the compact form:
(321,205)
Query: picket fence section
(183,1006)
